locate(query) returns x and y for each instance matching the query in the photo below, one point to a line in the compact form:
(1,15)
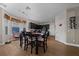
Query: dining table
(36,35)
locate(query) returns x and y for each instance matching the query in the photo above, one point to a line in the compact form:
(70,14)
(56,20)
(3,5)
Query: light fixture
(27,8)
(23,12)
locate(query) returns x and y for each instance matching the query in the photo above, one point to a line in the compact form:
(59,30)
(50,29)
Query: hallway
(55,48)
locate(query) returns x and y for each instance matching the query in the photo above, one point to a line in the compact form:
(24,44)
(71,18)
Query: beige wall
(60,31)
(0,25)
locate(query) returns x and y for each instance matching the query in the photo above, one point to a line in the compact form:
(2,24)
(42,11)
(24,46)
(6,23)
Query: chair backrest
(45,35)
(29,34)
(21,36)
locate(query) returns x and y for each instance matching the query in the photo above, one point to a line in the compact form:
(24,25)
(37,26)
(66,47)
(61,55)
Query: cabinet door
(71,36)
(77,30)
(70,31)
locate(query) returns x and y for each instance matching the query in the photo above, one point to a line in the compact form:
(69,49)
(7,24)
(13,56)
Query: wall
(0,25)
(60,31)
(27,25)
(52,29)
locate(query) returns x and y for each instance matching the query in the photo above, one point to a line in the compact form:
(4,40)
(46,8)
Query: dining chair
(21,40)
(42,41)
(30,41)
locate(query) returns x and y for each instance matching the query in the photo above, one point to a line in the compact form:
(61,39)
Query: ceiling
(41,12)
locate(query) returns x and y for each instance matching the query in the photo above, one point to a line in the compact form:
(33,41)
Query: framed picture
(15,29)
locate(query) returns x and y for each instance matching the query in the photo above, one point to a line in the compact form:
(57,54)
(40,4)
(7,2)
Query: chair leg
(31,50)
(44,47)
(21,44)
(25,45)
(31,46)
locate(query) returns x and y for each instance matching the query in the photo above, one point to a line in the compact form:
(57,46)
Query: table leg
(36,45)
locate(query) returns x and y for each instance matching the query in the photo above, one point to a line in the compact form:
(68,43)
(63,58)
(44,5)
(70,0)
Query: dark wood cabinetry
(36,26)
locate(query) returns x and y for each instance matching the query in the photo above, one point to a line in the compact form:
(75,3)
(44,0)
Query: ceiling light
(27,8)
(23,12)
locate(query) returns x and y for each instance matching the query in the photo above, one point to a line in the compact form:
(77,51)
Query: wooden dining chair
(21,40)
(42,41)
(29,41)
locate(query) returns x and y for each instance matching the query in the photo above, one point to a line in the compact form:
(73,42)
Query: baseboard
(8,42)
(2,43)
(69,44)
